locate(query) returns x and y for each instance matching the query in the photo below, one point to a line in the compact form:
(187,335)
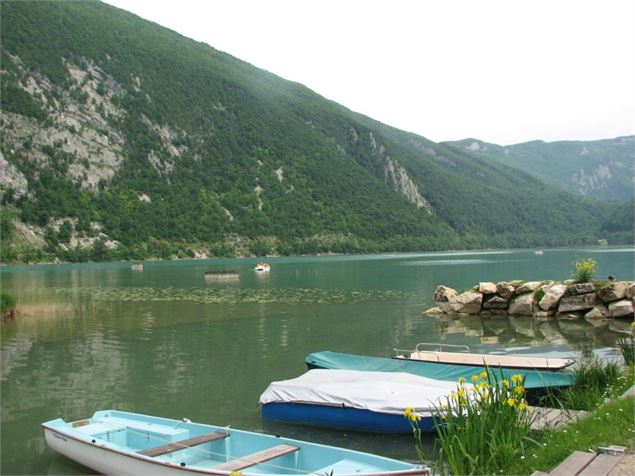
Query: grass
(595,381)
(611,424)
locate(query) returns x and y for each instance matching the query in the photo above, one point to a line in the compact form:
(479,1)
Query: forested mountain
(122,139)
(601,168)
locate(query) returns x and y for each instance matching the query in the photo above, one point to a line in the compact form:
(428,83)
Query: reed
(627,347)
(595,381)
(482,428)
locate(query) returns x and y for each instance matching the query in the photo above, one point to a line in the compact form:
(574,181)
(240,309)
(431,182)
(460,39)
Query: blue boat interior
(202,446)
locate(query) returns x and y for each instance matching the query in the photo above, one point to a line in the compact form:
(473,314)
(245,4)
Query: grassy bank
(611,424)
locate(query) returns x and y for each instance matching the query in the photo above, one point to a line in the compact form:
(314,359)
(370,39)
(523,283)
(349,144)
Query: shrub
(584,270)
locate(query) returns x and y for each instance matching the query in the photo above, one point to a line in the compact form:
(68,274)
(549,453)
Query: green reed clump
(482,429)
(7,305)
(627,347)
(594,382)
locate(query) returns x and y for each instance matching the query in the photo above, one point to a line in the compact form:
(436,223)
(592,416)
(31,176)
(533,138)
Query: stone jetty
(561,299)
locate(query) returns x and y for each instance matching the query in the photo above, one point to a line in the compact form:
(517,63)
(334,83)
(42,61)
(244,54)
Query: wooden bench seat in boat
(182,444)
(257,458)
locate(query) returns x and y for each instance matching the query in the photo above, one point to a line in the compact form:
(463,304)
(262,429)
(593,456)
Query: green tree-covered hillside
(122,139)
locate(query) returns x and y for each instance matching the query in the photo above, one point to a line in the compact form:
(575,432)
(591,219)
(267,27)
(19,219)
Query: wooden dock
(543,418)
(581,463)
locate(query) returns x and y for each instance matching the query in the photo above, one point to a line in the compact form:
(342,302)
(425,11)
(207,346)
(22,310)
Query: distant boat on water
(262,267)
(539,252)
(123,443)
(221,275)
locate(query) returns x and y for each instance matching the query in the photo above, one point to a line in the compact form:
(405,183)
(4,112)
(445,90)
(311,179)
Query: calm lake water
(168,342)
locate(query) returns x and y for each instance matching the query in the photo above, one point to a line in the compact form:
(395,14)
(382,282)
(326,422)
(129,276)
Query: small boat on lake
(262,267)
(123,443)
(428,352)
(536,382)
(221,275)
(355,400)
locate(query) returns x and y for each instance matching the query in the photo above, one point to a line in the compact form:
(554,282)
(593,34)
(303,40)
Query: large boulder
(630,291)
(495,302)
(487,288)
(505,289)
(468,302)
(442,297)
(434,311)
(623,308)
(552,295)
(600,311)
(613,291)
(528,287)
(577,303)
(581,288)
(522,305)
(451,302)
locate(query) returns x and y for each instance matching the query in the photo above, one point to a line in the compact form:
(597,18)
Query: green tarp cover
(336,360)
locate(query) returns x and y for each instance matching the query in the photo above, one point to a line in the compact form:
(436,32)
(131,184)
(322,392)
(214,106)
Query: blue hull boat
(354,400)
(344,418)
(535,381)
(123,443)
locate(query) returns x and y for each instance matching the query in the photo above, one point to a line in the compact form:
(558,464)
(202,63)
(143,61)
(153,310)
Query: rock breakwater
(561,299)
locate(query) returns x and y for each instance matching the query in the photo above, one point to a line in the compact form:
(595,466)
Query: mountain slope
(123,139)
(602,168)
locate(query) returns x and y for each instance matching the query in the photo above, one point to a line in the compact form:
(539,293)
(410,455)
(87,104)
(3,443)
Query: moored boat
(262,267)
(536,382)
(355,400)
(428,352)
(123,443)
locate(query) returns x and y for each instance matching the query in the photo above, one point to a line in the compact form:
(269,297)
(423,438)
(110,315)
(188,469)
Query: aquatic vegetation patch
(235,295)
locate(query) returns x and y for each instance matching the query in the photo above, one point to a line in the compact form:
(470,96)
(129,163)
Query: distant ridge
(602,168)
(125,140)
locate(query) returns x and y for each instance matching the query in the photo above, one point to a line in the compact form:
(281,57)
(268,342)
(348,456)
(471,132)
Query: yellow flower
(511,402)
(505,383)
(411,415)
(522,406)
(474,378)
(483,385)
(517,378)
(444,407)
(461,379)
(483,374)
(519,390)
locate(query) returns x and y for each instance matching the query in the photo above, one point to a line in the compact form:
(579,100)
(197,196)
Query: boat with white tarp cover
(357,400)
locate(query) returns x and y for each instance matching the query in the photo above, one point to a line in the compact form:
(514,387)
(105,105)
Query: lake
(167,341)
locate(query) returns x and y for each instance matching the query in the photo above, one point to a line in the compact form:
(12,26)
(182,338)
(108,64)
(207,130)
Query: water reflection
(166,342)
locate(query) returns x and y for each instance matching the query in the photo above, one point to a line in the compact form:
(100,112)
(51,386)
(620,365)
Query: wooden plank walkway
(542,418)
(580,463)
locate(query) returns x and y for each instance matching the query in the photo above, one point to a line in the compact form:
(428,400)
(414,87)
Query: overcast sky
(501,71)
